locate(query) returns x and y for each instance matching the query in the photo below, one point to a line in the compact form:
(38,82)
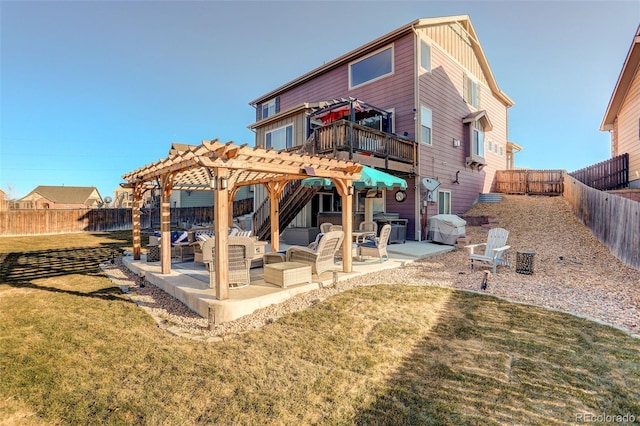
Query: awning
(369,179)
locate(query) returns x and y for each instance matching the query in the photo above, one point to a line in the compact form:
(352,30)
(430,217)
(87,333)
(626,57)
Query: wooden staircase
(292,201)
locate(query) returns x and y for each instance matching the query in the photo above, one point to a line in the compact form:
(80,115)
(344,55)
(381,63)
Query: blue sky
(92,90)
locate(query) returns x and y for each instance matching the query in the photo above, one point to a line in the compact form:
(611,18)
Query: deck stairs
(292,201)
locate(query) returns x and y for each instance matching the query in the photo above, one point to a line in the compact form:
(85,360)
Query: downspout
(416,107)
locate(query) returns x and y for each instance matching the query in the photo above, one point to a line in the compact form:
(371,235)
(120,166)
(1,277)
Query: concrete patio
(189,282)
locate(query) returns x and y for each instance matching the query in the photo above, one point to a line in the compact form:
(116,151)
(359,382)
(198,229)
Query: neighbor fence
(530,182)
(613,220)
(62,221)
(606,175)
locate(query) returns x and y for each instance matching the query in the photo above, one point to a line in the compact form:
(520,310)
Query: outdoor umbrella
(369,179)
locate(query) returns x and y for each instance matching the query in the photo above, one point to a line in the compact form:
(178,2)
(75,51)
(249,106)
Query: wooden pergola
(223,168)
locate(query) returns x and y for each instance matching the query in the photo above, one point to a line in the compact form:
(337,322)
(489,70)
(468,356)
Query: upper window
(425,55)
(477,143)
(425,126)
(278,139)
(373,67)
(268,108)
(470,91)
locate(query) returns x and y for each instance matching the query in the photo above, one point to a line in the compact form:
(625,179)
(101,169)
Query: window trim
(267,105)
(267,132)
(448,201)
(471,85)
(357,61)
(428,45)
(429,126)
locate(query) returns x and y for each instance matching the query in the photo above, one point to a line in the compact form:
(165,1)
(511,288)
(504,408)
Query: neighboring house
(203,198)
(61,197)
(622,118)
(419,102)
(122,198)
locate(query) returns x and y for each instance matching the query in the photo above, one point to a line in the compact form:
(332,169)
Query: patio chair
(241,252)
(376,247)
(369,226)
(322,258)
(324,227)
(328,227)
(366,229)
(495,249)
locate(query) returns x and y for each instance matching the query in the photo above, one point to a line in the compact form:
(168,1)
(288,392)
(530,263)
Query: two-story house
(419,102)
(622,118)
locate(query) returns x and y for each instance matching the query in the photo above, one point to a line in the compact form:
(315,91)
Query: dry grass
(73,350)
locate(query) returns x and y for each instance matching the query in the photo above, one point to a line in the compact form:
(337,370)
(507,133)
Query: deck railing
(353,138)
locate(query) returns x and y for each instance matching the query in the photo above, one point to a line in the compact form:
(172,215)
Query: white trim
(444,191)
(430,126)
(391,46)
(262,117)
(293,135)
(423,69)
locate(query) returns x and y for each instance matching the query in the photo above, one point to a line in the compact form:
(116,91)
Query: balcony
(348,140)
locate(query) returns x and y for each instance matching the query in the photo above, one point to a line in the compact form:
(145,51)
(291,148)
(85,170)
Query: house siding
(394,91)
(441,90)
(628,129)
(299,122)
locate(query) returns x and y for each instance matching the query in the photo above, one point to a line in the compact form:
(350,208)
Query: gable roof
(629,71)
(67,194)
(463,20)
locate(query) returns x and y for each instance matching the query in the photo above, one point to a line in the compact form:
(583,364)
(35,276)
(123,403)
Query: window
(425,126)
(371,68)
(269,108)
(425,55)
(490,145)
(278,139)
(470,91)
(444,202)
(477,145)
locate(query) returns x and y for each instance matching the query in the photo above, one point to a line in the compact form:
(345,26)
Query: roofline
(282,114)
(464,20)
(347,57)
(629,70)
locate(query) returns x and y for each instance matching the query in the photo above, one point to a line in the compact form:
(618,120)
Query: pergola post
(345,189)
(275,191)
(165,223)
(135,218)
(221,229)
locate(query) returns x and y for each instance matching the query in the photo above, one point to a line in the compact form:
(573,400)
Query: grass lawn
(74,350)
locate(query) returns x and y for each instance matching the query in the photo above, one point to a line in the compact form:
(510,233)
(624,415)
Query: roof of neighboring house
(463,20)
(67,194)
(629,70)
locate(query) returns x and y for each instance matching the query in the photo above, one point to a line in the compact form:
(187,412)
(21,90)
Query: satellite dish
(108,199)
(430,184)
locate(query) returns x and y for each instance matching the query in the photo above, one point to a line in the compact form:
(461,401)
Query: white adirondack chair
(495,249)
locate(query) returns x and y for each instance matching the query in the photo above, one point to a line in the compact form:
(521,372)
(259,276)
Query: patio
(189,283)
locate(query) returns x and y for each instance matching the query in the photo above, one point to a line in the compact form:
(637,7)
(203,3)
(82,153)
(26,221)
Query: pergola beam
(201,167)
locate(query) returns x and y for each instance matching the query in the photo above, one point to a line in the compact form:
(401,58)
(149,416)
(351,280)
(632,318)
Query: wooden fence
(530,182)
(606,175)
(613,220)
(62,221)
